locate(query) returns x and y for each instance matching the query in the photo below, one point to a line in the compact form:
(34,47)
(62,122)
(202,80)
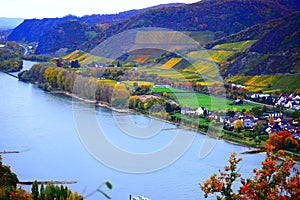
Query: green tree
(290,143)
(259,128)
(42,192)
(35,190)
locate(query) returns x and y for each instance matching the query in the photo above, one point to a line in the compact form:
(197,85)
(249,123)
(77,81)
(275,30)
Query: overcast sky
(58,8)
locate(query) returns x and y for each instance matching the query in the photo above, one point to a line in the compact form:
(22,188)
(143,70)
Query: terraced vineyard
(76,55)
(282,81)
(217,56)
(236,46)
(171,63)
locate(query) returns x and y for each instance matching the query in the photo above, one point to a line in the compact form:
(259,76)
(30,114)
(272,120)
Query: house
(202,111)
(275,115)
(288,105)
(199,111)
(248,124)
(268,130)
(161,86)
(187,111)
(239,102)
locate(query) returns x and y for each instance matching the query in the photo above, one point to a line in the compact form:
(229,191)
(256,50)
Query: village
(272,115)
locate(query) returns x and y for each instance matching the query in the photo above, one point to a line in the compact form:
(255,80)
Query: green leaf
(108,184)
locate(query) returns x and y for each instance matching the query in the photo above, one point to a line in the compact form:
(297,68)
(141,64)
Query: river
(41,125)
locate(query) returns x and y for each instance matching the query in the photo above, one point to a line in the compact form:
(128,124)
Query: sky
(29,9)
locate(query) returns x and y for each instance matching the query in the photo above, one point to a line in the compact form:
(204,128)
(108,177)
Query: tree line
(52,78)
(10,58)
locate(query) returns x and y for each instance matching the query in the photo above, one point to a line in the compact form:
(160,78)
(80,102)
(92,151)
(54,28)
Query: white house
(202,111)
(186,111)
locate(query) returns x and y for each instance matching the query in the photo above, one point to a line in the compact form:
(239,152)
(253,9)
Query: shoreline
(183,127)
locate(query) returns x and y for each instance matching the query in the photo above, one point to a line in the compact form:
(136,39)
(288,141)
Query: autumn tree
(275,180)
(120,96)
(238,126)
(248,112)
(275,140)
(8,185)
(282,140)
(271,119)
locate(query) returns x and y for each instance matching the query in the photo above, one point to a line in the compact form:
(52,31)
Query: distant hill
(32,30)
(9,23)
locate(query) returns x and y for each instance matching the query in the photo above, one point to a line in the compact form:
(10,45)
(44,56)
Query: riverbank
(181,126)
(252,148)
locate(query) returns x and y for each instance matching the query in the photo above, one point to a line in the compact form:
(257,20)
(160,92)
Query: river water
(41,125)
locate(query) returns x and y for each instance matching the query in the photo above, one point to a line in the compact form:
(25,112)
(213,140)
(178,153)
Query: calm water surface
(41,126)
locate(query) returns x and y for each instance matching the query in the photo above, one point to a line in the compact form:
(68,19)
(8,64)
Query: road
(25,49)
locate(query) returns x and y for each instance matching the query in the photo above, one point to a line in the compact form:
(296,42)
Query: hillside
(223,17)
(115,18)
(276,50)
(31,30)
(285,37)
(52,41)
(219,17)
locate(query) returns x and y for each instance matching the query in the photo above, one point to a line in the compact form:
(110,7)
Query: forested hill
(284,37)
(222,17)
(276,36)
(32,30)
(276,49)
(70,34)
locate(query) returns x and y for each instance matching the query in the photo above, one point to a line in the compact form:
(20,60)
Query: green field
(195,100)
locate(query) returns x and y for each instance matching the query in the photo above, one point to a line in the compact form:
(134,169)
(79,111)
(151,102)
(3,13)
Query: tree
(8,185)
(282,140)
(35,190)
(275,140)
(120,97)
(296,114)
(290,143)
(275,180)
(75,64)
(238,126)
(271,119)
(248,112)
(259,128)
(257,111)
